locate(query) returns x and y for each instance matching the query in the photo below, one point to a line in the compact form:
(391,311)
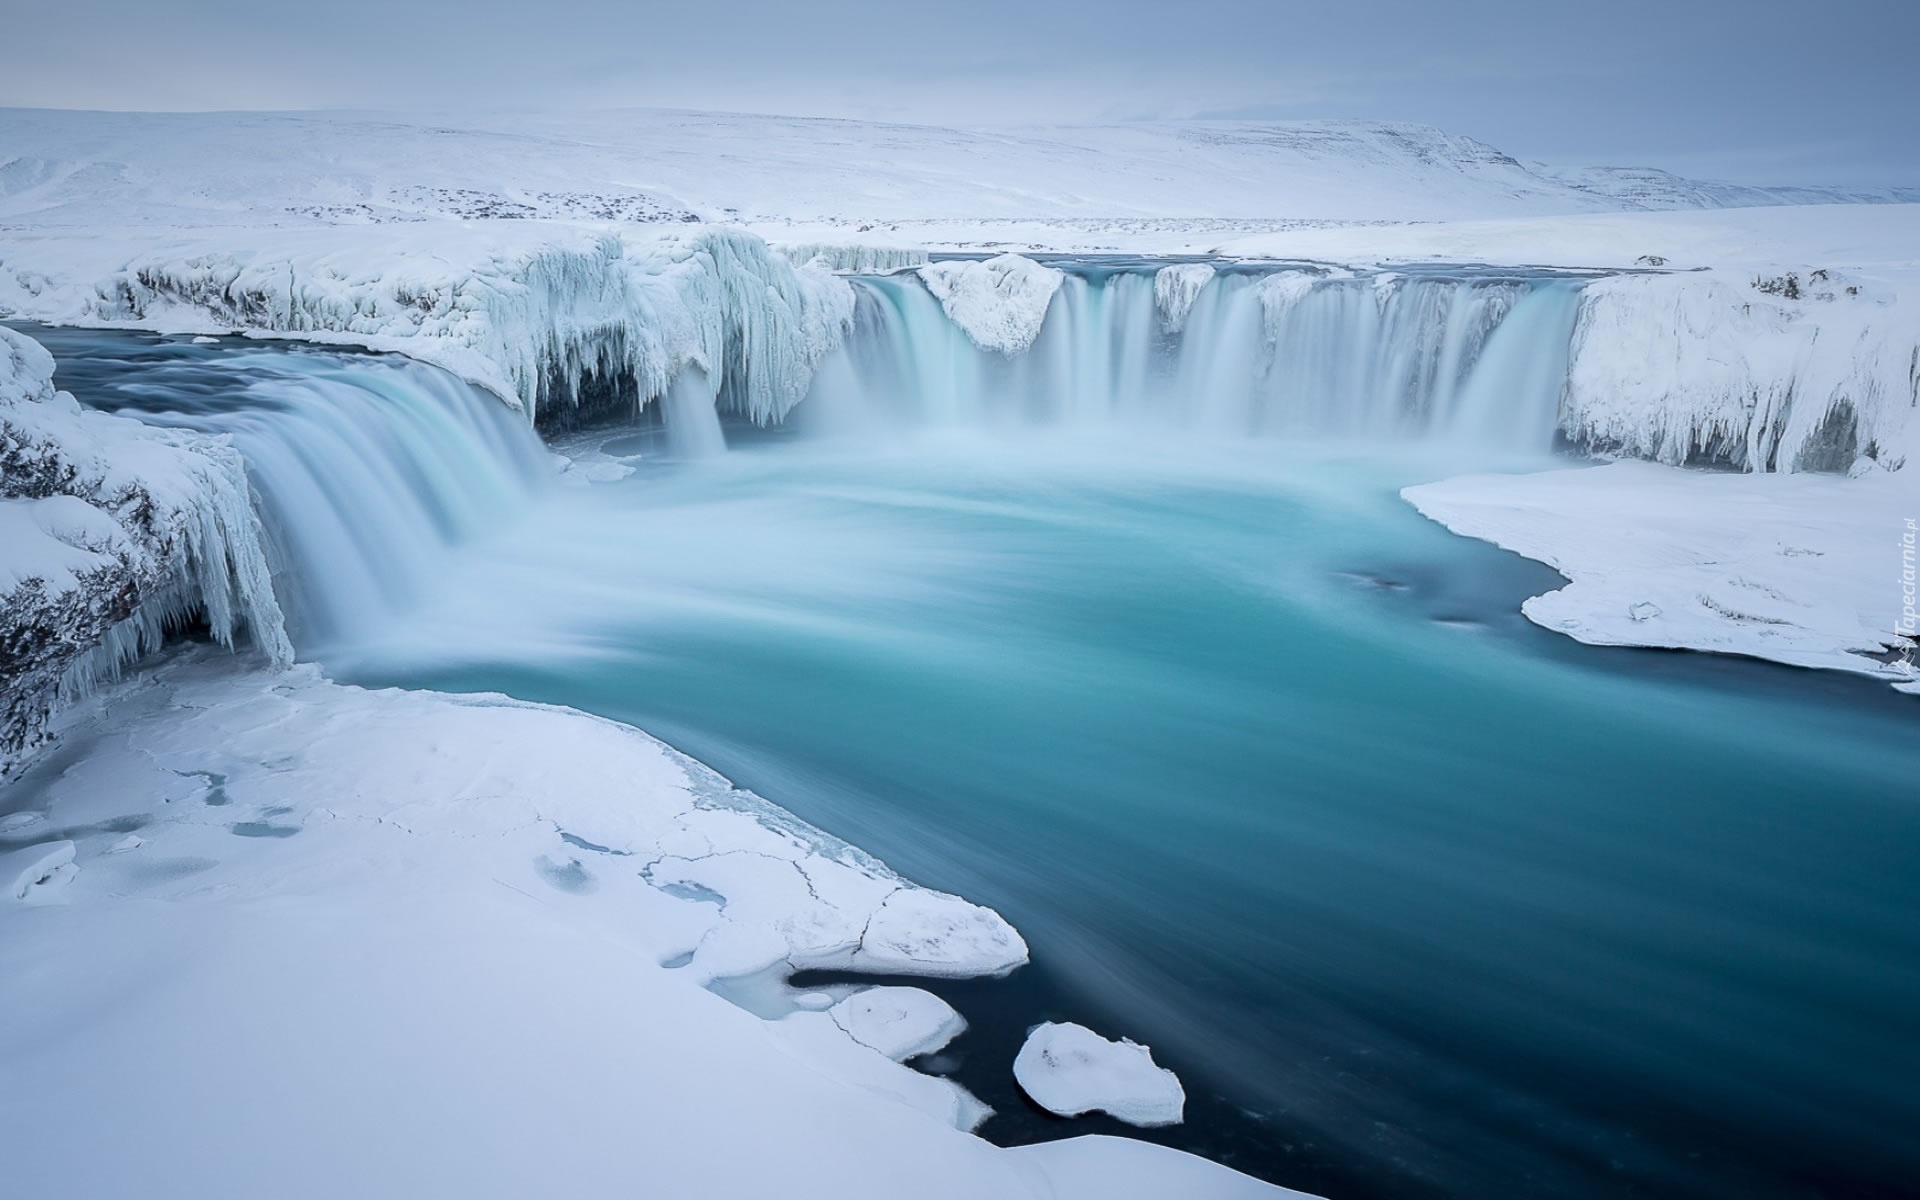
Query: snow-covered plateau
(420,944)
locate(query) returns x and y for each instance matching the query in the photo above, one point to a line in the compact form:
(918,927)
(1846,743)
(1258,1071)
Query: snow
(1069,1069)
(821,1042)
(899,1022)
(407,942)
(1000,303)
(1121,1167)
(1799,569)
(37,873)
(792,179)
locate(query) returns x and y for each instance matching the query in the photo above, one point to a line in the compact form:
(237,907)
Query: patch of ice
(922,932)
(1070,1070)
(899,1022)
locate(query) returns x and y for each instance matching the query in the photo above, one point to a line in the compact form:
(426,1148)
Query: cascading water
(1477,359)
(368,471)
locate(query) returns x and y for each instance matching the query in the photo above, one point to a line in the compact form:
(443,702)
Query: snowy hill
(659,166)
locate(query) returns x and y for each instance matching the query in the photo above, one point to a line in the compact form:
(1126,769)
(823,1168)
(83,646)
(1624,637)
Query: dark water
(1274,778)
(1419,900)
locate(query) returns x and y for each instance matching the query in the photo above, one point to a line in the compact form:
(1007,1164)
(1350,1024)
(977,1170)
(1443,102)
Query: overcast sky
(1763,91)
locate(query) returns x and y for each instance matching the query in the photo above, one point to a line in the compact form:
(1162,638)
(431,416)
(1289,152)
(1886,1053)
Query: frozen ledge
(1808,570)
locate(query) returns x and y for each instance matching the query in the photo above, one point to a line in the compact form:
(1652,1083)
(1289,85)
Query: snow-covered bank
(1799,569)
(415,943)
(114,532)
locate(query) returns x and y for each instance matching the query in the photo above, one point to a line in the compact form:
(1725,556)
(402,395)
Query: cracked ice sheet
(423,986)
(1798,569)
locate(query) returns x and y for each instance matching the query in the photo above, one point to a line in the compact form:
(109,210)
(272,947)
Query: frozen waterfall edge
(1806,370)
(118,533)
(571,325)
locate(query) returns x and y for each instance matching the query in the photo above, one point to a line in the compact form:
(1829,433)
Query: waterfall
(367,470)
(1479,358)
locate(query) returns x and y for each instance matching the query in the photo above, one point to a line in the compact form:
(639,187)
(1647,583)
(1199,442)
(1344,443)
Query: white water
(368,471)
(1477,360)
(371,470)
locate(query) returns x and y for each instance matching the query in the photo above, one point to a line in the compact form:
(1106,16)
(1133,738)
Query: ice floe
(1069,1070)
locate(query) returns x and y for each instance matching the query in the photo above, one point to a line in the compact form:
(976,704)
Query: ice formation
(1000,303)
(1797,370)
(564,320)
(899,1022)
(855,258)
(1175,288)
(115,533)
(1069,1070)
(1768,374)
